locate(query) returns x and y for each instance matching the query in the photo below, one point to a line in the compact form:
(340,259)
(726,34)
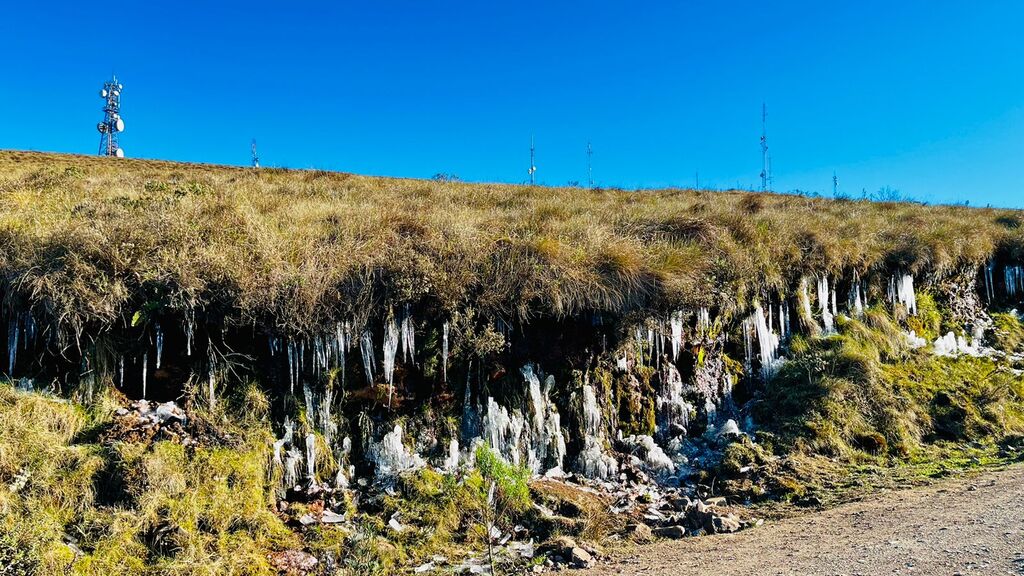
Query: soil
(967,525)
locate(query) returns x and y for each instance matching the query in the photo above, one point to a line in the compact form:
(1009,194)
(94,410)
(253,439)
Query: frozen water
(827,317)
(159,345)
(311,456)
(676,326)
(444,352)
(366,349)
(952,345)
(914,341)
(652,455)
(408,337)
(768,344)
(391,337)
(391,456)
(673,411)
(12,345)
(901,290)
(594,461)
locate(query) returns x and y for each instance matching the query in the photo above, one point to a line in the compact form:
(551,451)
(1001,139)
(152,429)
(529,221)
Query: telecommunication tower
(255,156)
(766,160)
(835,184)
(590,166)
(112,124)
(533,166)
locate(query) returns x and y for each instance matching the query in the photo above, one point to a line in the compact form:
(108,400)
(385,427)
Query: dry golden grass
(87,240)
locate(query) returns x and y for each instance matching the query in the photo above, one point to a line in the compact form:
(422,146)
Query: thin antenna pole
(590,166)
(765,162)
(696,180)
(255,156)
(533,166)
(835,184)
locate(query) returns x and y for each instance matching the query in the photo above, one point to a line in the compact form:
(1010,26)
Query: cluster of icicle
(594,461)
(901,291)
(20,328)
(532,436)
(298,461)
(663,337)
(768,340)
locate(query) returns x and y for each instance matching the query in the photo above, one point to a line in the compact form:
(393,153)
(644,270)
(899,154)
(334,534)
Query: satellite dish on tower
(103,93)
(119,125)
(119,153)
(101,127)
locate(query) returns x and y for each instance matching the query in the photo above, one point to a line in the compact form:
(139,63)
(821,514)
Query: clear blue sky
(924,96)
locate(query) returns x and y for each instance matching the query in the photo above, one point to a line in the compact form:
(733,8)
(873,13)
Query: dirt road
(964,526)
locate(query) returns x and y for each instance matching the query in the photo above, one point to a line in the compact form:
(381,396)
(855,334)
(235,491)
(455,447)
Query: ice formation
(1013,280)
(391,337)
(901,290)
(366,349)
(408,331)
(310,456)
(676,328)
(952,345)
(914,341)
(159,345)
(673,411)
(391,456)
(768,344)
(652,456)
(824,299)
(594,462)
(444,352)
(856,301)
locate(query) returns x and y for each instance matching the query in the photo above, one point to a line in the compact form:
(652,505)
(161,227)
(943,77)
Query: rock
(725,524)
(293,562)
(673,532)
(640,533)
(579,557)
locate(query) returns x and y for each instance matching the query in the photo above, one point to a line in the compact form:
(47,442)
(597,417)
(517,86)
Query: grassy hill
(86,240)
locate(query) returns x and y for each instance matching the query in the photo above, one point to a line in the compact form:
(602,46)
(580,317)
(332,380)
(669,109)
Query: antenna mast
(255,156)
(835,184)
(590,166)
(112,123)
(533,166)
(766,166)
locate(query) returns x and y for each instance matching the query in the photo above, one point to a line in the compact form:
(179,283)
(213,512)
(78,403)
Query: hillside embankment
(220,370)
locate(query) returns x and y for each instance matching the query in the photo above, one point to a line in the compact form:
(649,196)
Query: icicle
(856,304)
(805,300)
(120,371)
(451,463)
(408,337)
(748,347)
(444,352)
(594,463)
(145,360)
(159,345)
(676,326)
(827,319)
(903,290)
(189,332)
(391,456)
(291,367)
(311,456)
(366,348)
(703,321)
(768,344)
(391,337)
(212,373)
(989,284)
(12,345)
(340,340)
